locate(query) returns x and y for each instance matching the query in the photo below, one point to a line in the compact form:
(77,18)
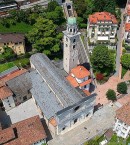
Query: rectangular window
(73,46)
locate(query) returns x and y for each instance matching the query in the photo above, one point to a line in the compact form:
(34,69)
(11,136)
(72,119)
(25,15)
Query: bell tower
(70,48)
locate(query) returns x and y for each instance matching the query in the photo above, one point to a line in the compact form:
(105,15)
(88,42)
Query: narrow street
(119,47)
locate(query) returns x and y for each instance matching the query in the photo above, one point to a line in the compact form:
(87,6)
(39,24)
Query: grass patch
(6,66)
(19,27)
(116,140)
(95,141)
(124,70)
(23,62)
(128,140)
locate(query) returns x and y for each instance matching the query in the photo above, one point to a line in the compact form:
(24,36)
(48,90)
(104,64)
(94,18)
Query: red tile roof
(11,76)
(87,92)
(28,131)
(72,81)
(85,83)
(123,113)
(102,16)
(127,27)
(5,92)
(6,135)
(80,72)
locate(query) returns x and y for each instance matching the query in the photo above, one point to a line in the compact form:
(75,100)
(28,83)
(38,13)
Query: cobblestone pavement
(102,120)
(102,89)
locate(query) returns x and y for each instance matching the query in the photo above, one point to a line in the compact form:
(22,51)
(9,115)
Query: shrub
(99,76)
(122,88)
(111,95)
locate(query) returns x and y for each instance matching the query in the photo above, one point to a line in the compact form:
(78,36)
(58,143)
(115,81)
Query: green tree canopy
(51,6)
(111,95)
(43,36)
(56,16)
(125,60)
(105,5)
(122,88)
(101,59)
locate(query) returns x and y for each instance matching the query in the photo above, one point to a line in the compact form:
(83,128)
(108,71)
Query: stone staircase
(82,54)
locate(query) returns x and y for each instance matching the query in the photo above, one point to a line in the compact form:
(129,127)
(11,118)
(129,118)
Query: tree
(125,60)
(111,95)
(102,60)
(43,36)
(56,16)
(122,88)
(80,7)
(104,5)
(51,6)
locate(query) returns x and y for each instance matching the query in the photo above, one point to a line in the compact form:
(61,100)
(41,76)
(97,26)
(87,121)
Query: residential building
(122,123)
(63,106)
(20,86)
(6,96)
(80,77)
(71,40)
(15,41)
(6,6)
(102,29)
(15,88)
(127,24)
(26,132)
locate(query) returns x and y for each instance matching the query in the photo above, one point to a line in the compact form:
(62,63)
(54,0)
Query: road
(119,47)
(100,121)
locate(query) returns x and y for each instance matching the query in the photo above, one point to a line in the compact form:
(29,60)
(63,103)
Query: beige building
(102,29)
(15,41)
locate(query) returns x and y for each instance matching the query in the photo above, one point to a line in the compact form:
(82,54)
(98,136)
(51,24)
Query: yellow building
(14,41)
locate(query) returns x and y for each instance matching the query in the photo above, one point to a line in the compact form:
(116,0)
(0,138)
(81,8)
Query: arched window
(74,40)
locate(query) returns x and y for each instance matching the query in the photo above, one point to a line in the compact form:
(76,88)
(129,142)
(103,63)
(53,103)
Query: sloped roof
(102,16)
(25,132)
(5,92)
(11,37)
(80,72)
(21,84)
(123,113)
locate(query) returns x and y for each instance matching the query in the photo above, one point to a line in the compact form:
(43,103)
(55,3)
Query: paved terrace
(102,120)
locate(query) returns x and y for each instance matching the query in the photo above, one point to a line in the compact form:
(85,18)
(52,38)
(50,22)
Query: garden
(115,140)
(42,28)
(103,62)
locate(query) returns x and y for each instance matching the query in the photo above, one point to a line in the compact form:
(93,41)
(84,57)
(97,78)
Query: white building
(71,39)
(122,124)
(102,29)
(80,77)
(127,24)
(6,97)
